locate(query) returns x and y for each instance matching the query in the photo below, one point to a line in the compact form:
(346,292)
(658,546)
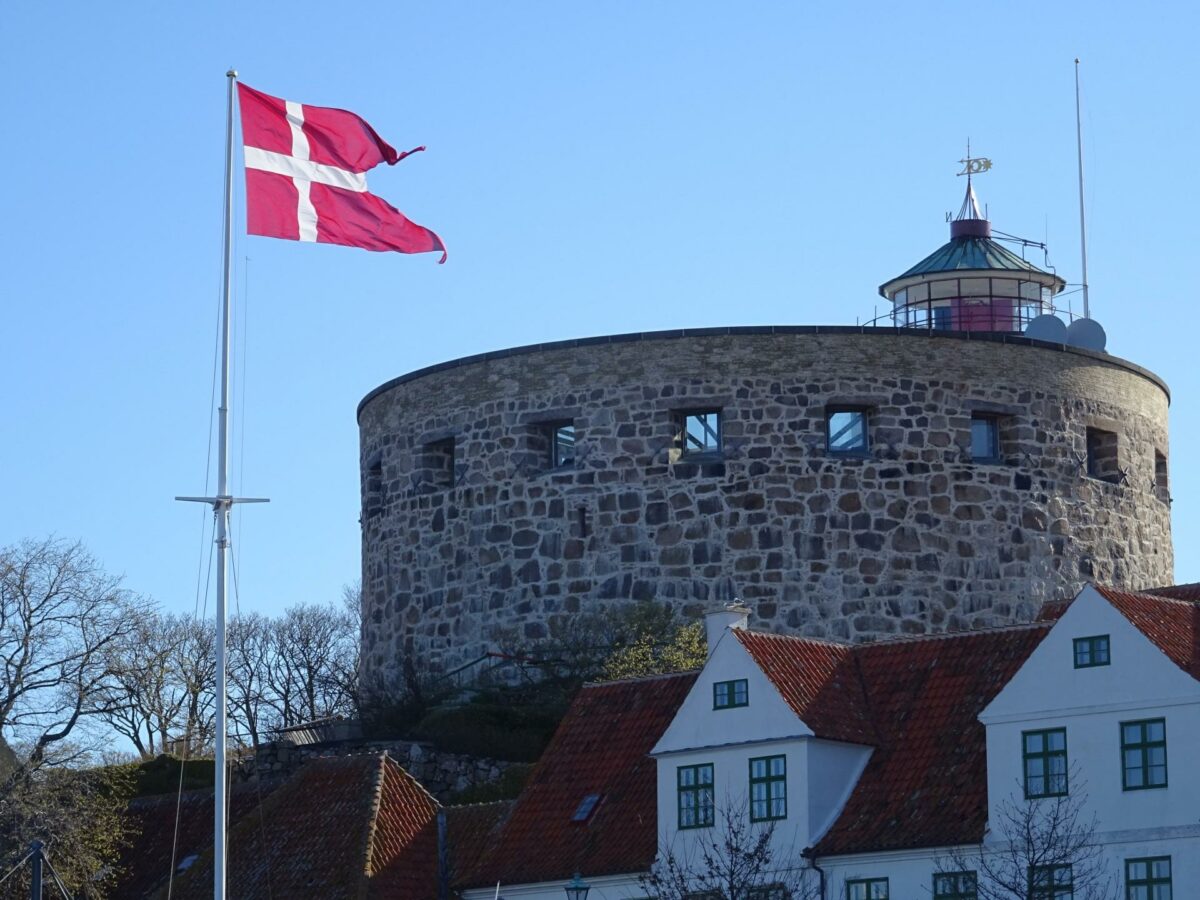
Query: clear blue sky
(593,168)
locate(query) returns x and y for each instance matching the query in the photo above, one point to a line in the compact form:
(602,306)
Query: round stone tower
(941,471)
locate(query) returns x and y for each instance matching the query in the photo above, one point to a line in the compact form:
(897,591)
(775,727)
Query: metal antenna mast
(222,505)
(1087,312)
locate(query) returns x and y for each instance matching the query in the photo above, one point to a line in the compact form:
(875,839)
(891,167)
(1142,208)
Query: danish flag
(305,181)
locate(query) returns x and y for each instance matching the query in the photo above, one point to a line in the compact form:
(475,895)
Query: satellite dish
(1087,334)
(1047,328)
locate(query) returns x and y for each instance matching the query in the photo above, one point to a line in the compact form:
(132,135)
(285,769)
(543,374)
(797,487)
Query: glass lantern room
(972,283)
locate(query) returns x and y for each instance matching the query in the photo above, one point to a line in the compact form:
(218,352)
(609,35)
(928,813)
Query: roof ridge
(828,642)
(373,805)
(1150,595)
(636,678)
(946,635)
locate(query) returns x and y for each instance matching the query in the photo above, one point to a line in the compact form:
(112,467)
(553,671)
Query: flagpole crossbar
(216,502)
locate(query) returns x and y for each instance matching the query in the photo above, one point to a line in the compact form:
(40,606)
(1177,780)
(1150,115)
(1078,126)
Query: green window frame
(768,788)
(955,886)
(768,892)
(866,889)
(695,787)
(1148,878)
(1144,754)
(731,694)
(1044,758)
(1051,882)
(1092,651)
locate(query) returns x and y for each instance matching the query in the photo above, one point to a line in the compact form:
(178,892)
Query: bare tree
(143,700)
(736,859)
(60,616)
(251,642)
(1039,847)
(313,644)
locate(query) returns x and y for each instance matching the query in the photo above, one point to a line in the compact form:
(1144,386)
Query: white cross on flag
(305,181)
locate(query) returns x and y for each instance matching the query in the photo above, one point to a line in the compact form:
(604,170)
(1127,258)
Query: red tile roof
(469,831)
(819,680)
(147,862)
(601,747)
(1172,624)
(926,781)
(341,827)
(1178,591)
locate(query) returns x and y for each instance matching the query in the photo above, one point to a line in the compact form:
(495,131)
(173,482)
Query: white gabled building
(882,767)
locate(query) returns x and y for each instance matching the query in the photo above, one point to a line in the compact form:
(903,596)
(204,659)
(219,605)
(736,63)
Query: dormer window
(1092,651)
(731,694)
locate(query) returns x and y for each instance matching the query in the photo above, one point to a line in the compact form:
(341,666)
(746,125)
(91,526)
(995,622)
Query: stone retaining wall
(914,537)
(442,774)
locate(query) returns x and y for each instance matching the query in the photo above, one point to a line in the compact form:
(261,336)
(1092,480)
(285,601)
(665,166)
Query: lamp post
(577,888)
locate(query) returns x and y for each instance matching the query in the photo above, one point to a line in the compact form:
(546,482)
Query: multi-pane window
(701,432)
(695,785)
(1092,651)
(867,889)
(846,431)
(1144,754)
(728,694)
(1045,757)
(954,886)
(562,445)
(768,788)
(768,892)
(1148,878)
(985,438)
(1051,883)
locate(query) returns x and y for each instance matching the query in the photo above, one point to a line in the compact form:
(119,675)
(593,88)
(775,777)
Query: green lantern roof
(971,248)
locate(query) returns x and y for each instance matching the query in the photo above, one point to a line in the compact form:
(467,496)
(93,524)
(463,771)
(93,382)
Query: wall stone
(442,774)
(916,537)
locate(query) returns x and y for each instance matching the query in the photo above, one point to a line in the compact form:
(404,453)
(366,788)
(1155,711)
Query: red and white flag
(305,181)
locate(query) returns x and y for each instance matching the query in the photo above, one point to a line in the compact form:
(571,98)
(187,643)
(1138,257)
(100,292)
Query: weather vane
(974,165)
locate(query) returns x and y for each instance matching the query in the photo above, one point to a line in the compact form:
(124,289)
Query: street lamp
(577,888)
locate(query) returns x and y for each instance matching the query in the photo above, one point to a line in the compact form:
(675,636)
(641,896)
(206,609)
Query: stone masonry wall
(442,774)
(915,537)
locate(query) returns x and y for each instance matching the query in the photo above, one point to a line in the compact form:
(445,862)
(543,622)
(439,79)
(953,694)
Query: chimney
(731,615)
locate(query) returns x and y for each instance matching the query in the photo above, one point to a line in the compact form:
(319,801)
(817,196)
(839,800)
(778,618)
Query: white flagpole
(222,508)
(222,505)
(1087,310)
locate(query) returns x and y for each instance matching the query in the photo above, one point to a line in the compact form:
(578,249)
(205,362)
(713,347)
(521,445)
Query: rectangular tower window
(846,431)
(728,694)
(695,787)
(1144,754)
(1045,758)
(436,463)
(562,444)
(1162,484)
(768,788)
(1102,455)
(1148,878)
(985,438)
(700,432)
